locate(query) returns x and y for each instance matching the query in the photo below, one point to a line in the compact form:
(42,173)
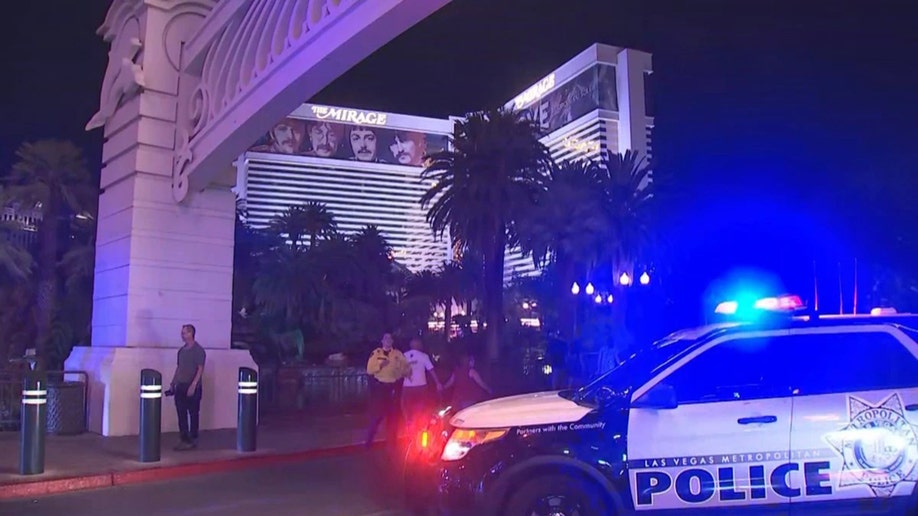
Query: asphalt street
(360,484)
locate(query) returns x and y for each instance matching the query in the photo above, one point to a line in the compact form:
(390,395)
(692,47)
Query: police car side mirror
(607,397)
(662,397)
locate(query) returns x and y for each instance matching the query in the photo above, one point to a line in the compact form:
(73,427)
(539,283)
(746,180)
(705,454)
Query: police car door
(725,440)
(855,417)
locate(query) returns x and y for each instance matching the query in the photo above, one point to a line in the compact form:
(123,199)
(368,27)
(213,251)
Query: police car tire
(589,497)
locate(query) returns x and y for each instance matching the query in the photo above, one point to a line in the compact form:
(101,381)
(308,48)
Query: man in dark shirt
(186,384)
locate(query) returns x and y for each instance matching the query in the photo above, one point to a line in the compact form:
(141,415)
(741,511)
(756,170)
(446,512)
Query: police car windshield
(639,367)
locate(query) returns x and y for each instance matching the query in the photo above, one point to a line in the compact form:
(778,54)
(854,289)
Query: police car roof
(786,321)
(823,320)
(700,331)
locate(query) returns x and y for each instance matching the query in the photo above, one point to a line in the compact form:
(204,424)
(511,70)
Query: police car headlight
(462,440)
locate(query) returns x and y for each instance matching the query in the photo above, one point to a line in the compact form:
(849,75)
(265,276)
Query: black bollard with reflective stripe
(246,423)
(34,420)
(151,410)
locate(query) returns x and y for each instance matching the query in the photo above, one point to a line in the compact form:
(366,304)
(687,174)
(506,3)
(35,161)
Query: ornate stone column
(159,264)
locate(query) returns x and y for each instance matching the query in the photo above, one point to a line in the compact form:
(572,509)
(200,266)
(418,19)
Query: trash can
(66,415)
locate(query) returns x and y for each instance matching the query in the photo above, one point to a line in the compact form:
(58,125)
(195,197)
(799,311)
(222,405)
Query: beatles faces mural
(332,140)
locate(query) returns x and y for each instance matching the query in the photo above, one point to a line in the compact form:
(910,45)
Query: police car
(788,413)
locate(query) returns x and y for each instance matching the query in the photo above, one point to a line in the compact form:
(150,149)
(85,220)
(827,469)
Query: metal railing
(320,389)
(68,400)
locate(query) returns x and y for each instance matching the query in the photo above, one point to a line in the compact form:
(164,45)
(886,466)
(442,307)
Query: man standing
(186,385)
(387,368)
(415,395)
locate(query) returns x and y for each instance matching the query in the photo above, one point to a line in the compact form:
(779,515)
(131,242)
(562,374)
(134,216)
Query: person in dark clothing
(556,357)
(468,386)
(186,386)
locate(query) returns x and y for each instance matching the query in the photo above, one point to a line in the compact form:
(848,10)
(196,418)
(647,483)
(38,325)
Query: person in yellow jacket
(387,368)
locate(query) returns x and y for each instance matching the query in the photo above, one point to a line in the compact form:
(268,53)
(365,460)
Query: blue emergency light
(775,304)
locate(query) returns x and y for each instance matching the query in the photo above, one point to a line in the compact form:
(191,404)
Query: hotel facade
(366,166)
(596,102)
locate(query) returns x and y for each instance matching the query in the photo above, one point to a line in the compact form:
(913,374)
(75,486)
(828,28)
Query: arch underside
(252,63)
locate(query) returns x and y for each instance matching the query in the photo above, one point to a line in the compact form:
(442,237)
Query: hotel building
(596,102)
(365,166)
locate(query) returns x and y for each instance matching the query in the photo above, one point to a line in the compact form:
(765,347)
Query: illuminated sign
(352,116)
(534,92)
(584,146)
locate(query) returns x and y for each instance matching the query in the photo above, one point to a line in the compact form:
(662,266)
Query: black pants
(384,405)
(189,411)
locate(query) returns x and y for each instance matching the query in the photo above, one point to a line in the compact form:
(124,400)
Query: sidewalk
(90,461)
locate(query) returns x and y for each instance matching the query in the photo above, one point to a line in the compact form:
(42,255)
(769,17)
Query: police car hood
(526,409)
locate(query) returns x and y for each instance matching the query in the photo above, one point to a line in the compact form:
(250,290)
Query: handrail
(11,394)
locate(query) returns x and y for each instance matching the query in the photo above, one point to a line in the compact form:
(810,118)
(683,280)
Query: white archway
(189,85)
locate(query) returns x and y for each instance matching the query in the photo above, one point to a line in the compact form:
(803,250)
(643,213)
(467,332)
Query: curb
(155,474)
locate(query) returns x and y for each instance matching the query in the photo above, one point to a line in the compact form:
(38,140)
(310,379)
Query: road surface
(360,484)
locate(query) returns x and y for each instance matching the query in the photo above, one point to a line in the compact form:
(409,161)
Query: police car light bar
(726,308)
(779,303)
(883,311)
(768,304)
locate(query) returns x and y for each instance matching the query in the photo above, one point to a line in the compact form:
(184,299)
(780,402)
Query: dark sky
(791,112)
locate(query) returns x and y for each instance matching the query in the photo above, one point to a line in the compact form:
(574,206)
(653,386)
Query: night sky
(788,126)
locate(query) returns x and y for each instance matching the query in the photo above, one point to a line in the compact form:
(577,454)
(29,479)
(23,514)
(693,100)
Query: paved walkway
(356,484)
(69,457)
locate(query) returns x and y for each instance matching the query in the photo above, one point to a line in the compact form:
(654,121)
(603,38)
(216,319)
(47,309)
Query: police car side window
(826,363)
(739,369)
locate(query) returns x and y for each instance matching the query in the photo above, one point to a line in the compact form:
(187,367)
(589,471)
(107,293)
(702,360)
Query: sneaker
(183,445)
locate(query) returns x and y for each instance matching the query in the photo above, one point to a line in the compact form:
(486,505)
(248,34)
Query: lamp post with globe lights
(607,295)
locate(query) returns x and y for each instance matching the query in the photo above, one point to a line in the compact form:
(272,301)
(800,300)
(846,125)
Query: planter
(66,408)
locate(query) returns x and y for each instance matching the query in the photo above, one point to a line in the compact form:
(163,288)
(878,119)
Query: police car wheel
(556,495)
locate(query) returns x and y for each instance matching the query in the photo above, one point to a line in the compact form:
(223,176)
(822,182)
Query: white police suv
(783,414)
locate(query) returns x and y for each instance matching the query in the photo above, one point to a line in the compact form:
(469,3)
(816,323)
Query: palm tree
(291,225)
(377,274)
(632,195)
(568,227)
(448,280)
(16,266)
(79,260)
(285,286)
(568,224)
(309,219)
(374,253)
(15,261)
(51,176)
(318,221)
(471,287)
(481,187)
(590,215)
(250,246)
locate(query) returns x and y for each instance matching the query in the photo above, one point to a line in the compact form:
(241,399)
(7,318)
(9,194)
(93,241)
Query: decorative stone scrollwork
(124,73)
(258,36)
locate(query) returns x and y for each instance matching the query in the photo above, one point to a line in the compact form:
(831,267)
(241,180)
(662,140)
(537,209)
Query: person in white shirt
(415,393)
